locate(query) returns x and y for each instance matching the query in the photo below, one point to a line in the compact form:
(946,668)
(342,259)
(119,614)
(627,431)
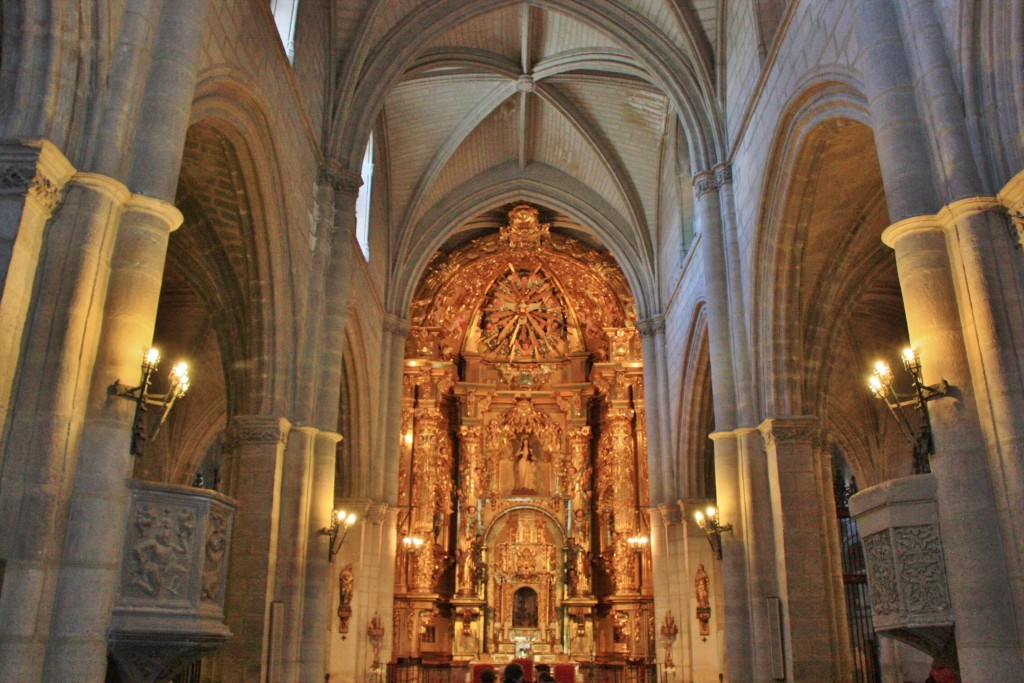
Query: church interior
(397,341)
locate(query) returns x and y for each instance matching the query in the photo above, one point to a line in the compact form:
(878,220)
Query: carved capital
(671,514)
(342,180)
(36,170)
(785,431)
(376,513)
(704,182)
(1017,228)
(258,429)
(650,327)
(723,175)
(394,325)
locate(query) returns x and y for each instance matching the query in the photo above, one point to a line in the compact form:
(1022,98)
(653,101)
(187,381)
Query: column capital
(652,326)
(342,180)
(670,514)
(162,210)
(333,437)
(945,219)
(790,429)
(397,326)
(35,169)
(258,429)
(704,182)
(723,174)
(722,436)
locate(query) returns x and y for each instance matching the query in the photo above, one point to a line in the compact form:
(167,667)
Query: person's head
(488,675)
(541,670)
(513,673)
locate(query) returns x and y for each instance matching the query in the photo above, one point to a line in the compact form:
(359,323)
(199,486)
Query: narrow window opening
(363,201)
(285,12)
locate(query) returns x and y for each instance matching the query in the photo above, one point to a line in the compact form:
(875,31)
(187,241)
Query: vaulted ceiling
(528,101)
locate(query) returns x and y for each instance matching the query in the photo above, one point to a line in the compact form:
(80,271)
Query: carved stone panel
(169,604)
(905,564)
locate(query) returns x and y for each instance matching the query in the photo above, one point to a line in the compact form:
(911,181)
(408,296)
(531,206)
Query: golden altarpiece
(523,475)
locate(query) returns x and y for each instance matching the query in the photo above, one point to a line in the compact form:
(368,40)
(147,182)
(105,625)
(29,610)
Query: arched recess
(215,306)
(826,287)
(539,185)
(696,421)
(354,471)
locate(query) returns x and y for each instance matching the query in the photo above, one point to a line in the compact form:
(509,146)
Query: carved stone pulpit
(169,607)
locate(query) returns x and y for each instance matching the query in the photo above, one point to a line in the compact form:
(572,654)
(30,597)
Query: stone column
(987,273)
(316,624)
(810,615)
(742,365)
(370,549)
(337,283)
(78,638)
(166,106)
(294,545)
(670,562)
(257,453)
(716,287)
(970,344)
(757,539)
(33,175)
(738,609)
(986,626)
(48,409)
(385,478)
(652,335)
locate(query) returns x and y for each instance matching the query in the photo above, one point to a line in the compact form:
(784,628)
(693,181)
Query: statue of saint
(701,582)
(525,467)
(346,582)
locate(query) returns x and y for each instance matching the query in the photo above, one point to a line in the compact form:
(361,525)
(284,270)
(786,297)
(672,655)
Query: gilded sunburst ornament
(523,319)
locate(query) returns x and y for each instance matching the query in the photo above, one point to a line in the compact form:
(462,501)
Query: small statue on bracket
(702,584)
(346,585)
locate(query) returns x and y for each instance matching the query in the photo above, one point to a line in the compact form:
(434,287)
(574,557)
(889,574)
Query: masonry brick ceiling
(526,89)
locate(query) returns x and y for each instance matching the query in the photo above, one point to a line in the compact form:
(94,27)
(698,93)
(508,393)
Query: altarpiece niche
(523,469)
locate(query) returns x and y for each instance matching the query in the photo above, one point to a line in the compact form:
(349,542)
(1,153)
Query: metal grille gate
(855,583)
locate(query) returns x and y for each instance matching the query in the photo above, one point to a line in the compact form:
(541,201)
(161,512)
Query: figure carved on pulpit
(526,467)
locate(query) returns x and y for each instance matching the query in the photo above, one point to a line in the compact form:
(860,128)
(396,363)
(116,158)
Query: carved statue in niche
(468,568)
(620,626)
(578,568)
(526,468)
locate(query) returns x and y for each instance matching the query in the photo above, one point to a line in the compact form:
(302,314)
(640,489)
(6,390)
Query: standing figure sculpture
(525,467)
(701,584)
